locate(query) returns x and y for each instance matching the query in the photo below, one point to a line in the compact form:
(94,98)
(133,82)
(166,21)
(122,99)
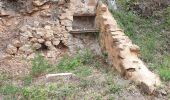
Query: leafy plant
(39,65)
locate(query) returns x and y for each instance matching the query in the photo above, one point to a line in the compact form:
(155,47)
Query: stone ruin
(45,25)
(56,27)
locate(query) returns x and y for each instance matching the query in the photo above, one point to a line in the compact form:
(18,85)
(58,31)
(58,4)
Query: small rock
(58,77)
(48,43)
(39,2)
(16,43)
(36,46)
(11,49)
(26,49)
(56,42)
(41,40)
(47,27)
(33,40)
(27,34)
(67,23)
(49,35)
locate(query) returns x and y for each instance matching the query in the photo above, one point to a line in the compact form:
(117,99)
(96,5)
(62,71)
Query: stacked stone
(122,53)
(40,30)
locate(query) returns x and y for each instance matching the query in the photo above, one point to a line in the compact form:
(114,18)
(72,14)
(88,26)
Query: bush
(39,65)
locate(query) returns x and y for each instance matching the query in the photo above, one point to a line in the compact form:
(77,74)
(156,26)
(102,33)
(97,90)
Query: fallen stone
(51,78)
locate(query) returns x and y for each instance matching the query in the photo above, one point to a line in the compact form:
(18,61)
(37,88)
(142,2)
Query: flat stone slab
(60,77)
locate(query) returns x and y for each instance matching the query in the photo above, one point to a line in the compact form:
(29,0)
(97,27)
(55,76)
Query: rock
(11,49)
(51,54)
(27,34)
(39,33)
(24,40)
(16,43)
(31,56)
(47,27)
(41,40)
(66,17)
(67,23)
(36,23)
(26,49)
(56,42)
(57,31)
(69,29)
(39,2)
(36,46)
(48,43)
(49,35)
(33,40)
(51,78)
(61,2)
(3,13)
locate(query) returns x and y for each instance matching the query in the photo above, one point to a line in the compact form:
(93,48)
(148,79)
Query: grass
(164,70)
(88,85)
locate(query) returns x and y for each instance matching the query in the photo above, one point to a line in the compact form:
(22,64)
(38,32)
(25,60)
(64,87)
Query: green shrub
(35,93)
(39,65)
(9,89)
(68,64)
(27,80)
(86,57)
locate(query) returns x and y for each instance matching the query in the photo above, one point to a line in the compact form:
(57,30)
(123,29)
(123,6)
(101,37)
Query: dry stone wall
(122,52)
(28,26)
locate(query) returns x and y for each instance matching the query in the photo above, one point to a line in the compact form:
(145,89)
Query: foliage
(27,80)
(164,70)
(39,65)
(70,63)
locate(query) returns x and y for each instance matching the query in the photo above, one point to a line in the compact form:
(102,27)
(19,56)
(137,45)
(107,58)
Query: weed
(164,70)
(35,93)
(86,57)
(68,64)
(39,65)
(114,88)
(9,89)
(27,80)
(83,71)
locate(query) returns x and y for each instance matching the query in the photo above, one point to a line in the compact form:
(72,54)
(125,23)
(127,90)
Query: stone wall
(122,52)
(28,26)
